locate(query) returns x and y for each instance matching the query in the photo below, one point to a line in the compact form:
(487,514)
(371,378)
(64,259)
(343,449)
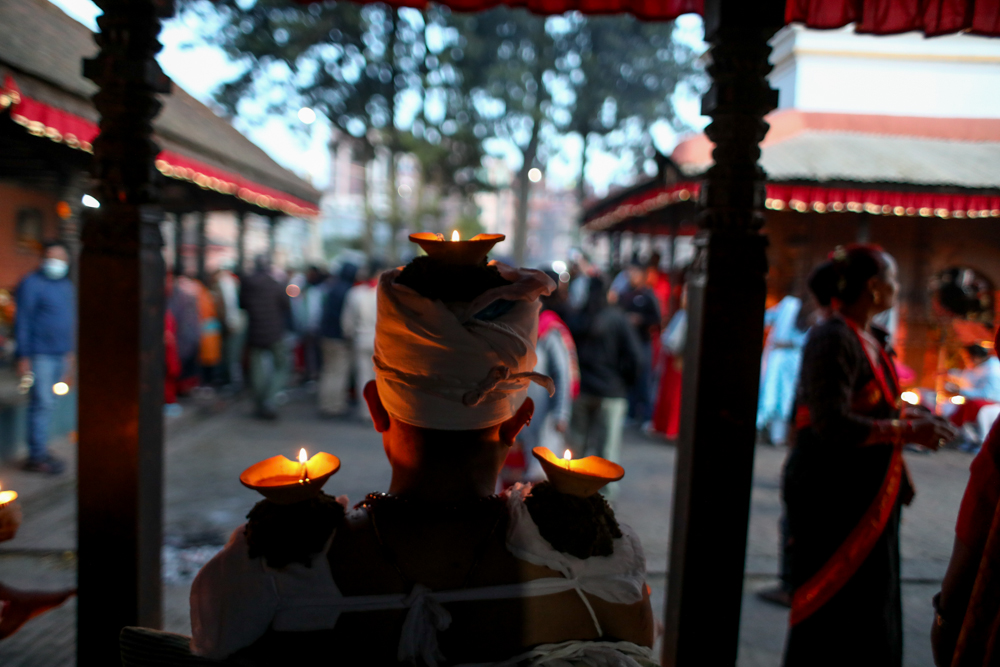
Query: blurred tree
(623,74)
(446,87)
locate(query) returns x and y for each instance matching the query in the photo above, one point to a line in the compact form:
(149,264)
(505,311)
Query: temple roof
(42,51)
(860,148)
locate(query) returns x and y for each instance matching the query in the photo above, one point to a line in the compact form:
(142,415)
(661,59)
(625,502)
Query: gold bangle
(897,431)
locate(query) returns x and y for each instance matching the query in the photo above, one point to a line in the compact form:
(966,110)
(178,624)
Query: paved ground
(205,501)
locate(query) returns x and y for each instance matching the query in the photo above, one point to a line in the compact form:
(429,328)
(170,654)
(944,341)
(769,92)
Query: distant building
(911,163)
(211,173)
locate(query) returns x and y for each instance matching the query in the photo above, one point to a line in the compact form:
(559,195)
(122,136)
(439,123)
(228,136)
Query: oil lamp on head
(577,477)
(456,251)
(284,481)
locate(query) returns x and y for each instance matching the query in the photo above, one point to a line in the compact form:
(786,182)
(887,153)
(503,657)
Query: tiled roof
(823,148)
(46,44)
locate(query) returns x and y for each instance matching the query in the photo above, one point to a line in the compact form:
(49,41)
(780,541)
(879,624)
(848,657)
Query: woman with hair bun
(846,480)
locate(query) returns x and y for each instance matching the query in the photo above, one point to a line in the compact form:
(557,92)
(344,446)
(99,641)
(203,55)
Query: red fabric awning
(811,198)
(822,199)
(643,204)
(886,17)
(63,127)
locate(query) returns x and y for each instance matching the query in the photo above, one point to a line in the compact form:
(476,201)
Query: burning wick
(568,458)
(303,473)
(455,236)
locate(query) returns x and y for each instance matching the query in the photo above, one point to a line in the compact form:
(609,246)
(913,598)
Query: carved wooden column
(121,341)
(272,229)
(179,243)
(241,243)
(726,293)
(201,246)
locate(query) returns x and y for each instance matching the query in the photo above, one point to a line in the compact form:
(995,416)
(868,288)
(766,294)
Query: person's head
(348,272)
(314,275)
(654,260)
(454,353)
(975,355)
(862,278)
(55,260)
(636,275)
(261,264)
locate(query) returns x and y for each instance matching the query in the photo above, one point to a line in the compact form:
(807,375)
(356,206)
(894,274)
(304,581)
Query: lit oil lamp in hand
(578,477)
(284,481)
(10,515)
(456,251)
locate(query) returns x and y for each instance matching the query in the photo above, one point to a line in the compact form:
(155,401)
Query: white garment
(357,319)
(235,599)
(439,366)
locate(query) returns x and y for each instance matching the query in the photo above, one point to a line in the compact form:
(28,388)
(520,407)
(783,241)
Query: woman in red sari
(846,481)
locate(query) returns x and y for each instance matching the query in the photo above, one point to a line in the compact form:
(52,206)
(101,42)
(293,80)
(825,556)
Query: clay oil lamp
(457,251)
(284,481)
(577,477)
(10,515)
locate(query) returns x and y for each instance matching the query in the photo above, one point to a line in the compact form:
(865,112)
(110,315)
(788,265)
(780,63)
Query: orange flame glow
(455,236)
(567,455)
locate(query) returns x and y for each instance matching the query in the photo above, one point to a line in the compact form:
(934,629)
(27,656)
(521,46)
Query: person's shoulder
(830,330)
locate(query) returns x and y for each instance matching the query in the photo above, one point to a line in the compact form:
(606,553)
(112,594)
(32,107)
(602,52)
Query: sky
(199,68)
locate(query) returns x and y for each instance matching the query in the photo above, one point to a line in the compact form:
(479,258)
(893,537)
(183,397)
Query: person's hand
(561,426)
(931,432)
(915,412)
(23,366)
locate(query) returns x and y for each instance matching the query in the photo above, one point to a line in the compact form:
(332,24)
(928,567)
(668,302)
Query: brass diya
(455,251)
(284,481)
(577,477)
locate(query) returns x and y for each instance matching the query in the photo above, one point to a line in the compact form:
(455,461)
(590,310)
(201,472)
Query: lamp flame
(60,389)
(303,457)
(910,397)
(958,400)
(455,236)
(567,455)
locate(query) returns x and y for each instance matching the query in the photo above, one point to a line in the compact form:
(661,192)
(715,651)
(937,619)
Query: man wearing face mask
(44,329)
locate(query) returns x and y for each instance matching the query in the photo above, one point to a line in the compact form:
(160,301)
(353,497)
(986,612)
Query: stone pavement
(205,502)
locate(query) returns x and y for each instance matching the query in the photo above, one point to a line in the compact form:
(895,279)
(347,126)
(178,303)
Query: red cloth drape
(886,17)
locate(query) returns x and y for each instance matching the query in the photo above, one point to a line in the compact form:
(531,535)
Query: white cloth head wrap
(439,367)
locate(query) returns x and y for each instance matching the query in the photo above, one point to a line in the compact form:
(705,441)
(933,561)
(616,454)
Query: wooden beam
(726,292)
(120,488)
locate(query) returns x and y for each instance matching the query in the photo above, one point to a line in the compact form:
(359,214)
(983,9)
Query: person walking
(609,353)
(357,321)
(780,368)
(556,358)
(643,312)
(267,307)
(845,479)
(335,348)
(44,329)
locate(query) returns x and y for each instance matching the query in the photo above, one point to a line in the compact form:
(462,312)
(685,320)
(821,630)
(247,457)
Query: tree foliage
(448,88)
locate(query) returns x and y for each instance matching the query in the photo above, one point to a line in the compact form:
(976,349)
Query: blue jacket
(333,304)
(46,316)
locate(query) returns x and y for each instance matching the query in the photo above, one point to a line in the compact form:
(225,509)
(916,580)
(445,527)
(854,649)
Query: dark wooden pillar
(726,293)
(241,244)
(179,243)
(201,244)
(272,229)
(121,341)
